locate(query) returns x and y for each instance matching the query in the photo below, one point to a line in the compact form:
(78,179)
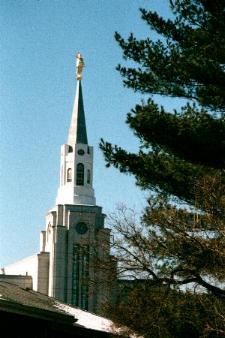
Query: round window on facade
(81,228)
(80,152)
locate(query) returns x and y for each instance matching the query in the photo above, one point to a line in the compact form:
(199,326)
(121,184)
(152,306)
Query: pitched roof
(14,299)
(24,296)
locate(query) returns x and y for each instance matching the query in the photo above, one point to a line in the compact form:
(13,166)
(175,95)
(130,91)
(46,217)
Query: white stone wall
(69,192)
(27,266)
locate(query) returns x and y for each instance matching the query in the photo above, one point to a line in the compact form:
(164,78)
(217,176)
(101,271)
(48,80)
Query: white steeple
(76,169)
(77,131)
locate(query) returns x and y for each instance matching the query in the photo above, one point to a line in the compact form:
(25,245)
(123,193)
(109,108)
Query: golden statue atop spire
(79,66)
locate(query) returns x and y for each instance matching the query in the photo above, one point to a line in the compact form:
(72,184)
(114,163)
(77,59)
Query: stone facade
(78,243)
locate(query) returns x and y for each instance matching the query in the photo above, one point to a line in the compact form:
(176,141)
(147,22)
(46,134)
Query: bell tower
(75,245)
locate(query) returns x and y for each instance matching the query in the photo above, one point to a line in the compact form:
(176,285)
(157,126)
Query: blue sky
(39,41)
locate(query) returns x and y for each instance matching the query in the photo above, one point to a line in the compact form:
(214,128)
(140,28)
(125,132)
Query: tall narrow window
(88,176)
(61,176)
(80,174)
(69,175)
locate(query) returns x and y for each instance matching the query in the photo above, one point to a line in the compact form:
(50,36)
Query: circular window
(80,152)
(81,228)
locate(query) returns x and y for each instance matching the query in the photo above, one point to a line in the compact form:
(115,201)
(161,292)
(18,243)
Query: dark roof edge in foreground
(30,311)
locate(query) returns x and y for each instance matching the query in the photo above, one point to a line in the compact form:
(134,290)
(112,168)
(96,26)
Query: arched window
(70,150)
(69,175)
(88,176)
(80,174)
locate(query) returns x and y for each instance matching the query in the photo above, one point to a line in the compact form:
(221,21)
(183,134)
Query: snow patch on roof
(87,319)
(92,321)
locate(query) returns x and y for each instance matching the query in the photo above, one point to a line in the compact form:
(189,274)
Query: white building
(74,246)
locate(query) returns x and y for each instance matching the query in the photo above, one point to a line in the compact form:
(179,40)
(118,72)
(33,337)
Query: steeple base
(83,196)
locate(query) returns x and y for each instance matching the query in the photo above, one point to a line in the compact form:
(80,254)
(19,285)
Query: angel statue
(79,66)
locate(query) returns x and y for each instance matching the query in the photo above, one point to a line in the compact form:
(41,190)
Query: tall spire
(77,130)
(76,166)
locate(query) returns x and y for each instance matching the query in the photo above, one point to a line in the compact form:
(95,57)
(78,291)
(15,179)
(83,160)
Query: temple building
(74,264)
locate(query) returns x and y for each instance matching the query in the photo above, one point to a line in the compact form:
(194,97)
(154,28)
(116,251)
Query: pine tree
(181,155)
(188,62)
